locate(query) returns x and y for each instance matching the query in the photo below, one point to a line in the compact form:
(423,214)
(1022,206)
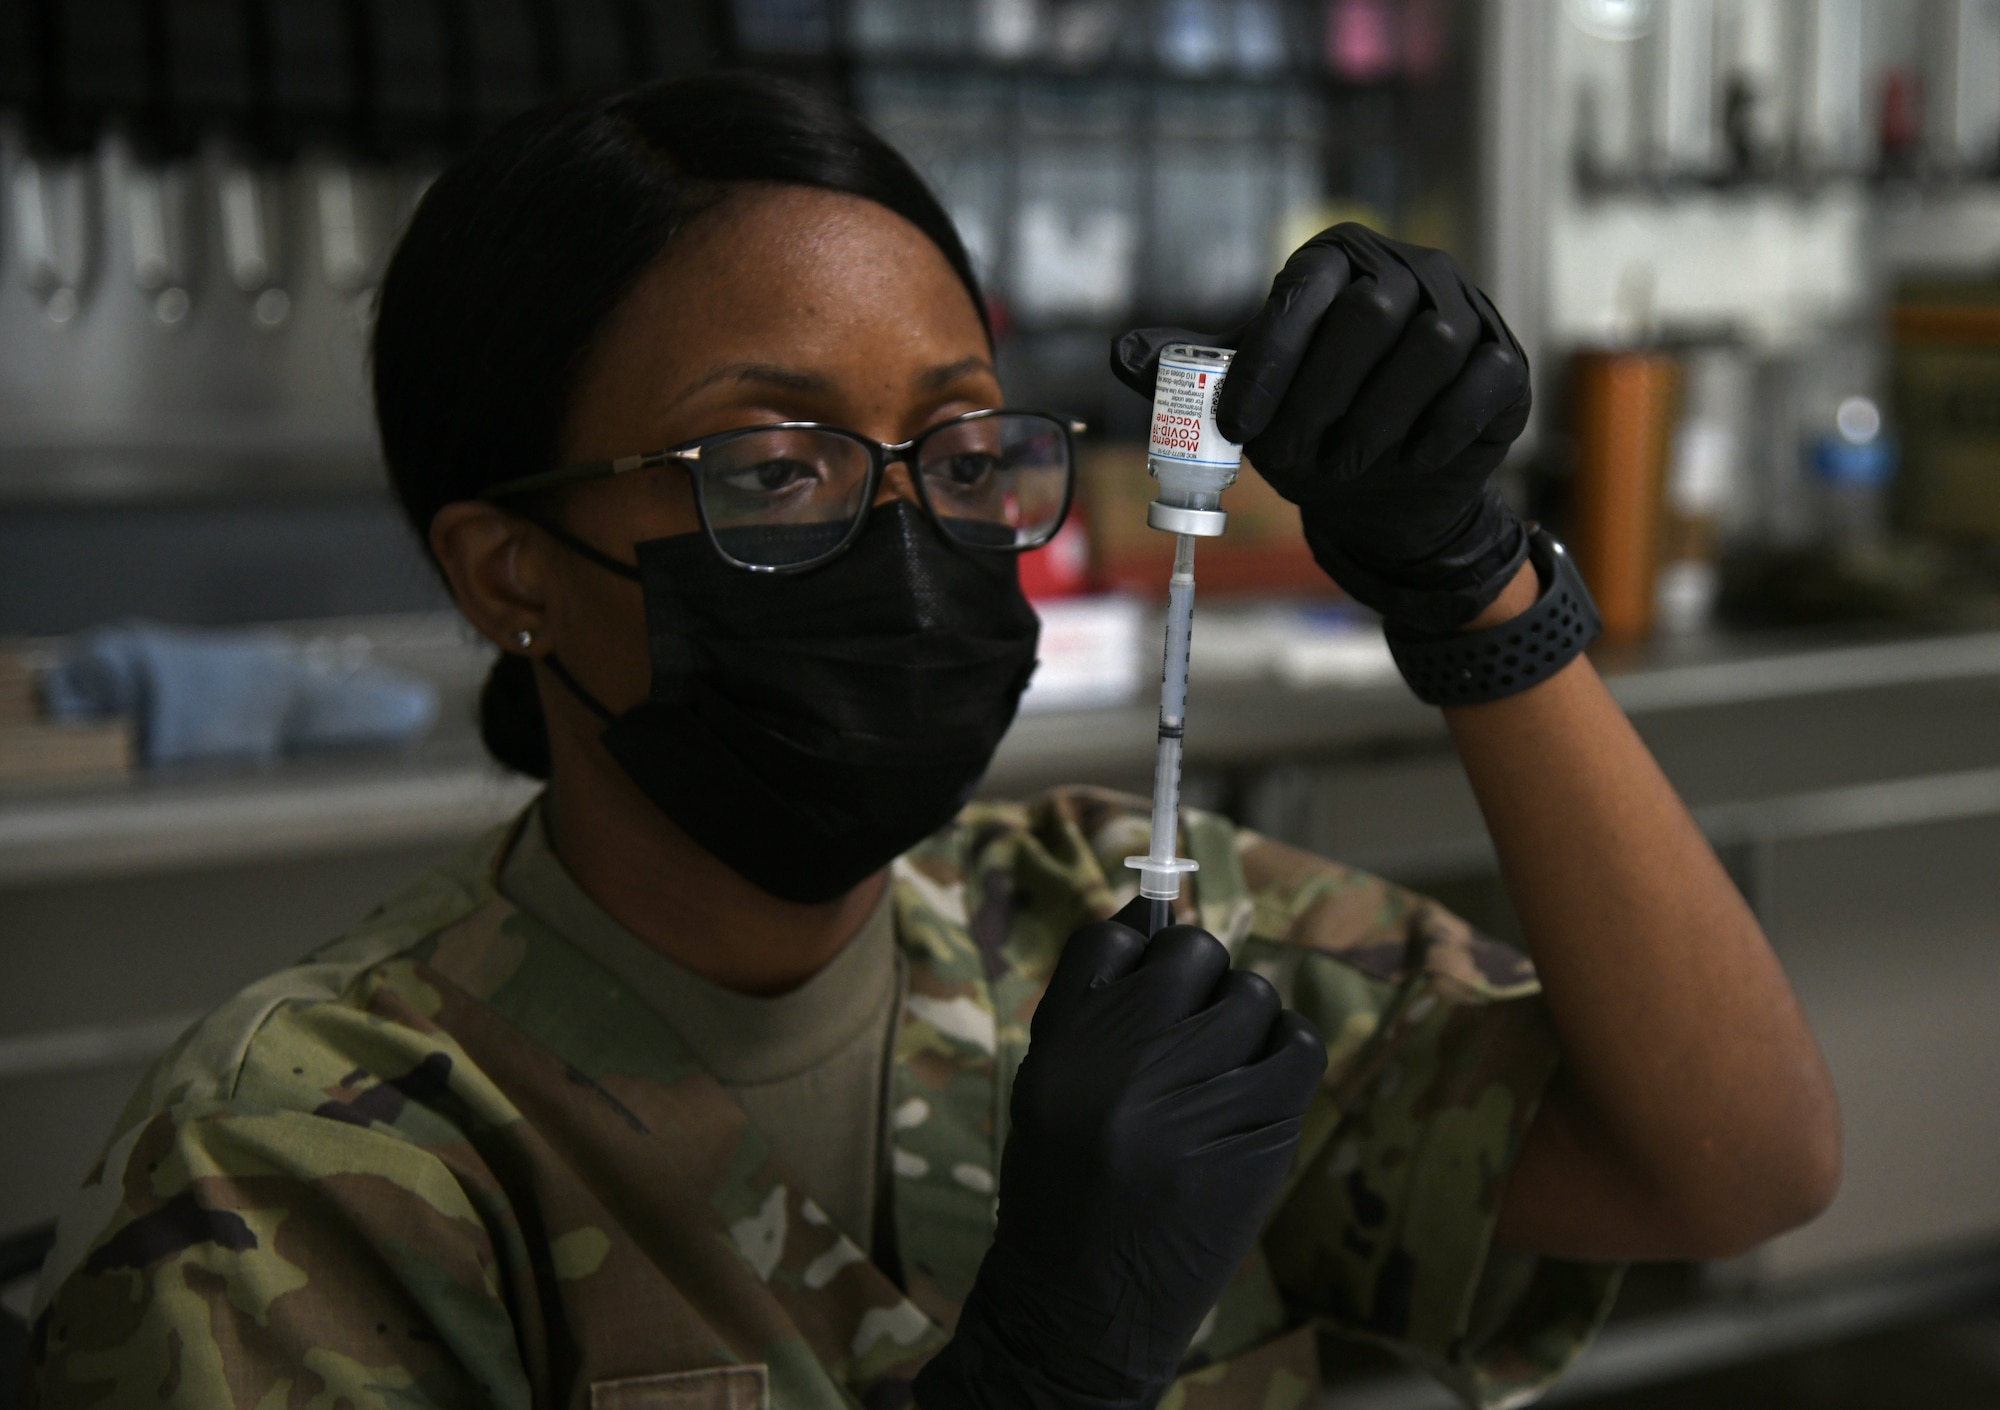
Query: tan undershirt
(809,1066)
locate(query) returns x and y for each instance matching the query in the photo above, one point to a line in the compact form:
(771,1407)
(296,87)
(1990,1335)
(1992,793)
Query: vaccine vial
(1192,460)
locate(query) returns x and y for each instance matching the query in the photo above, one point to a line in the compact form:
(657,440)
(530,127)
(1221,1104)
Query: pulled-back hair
(521,250)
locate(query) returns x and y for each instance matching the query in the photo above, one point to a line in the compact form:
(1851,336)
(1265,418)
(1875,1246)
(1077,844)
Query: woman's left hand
(1378,390)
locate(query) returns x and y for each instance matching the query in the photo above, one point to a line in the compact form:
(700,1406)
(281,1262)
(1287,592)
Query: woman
(697,1084)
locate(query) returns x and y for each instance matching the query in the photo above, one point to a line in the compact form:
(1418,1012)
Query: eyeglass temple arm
(589,470)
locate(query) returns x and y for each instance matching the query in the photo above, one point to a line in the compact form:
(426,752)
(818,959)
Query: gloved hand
(1154,1118)
(1378,391)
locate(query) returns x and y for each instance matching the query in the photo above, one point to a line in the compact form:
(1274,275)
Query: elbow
(1764,1192)
(1817,1178)
(1800,1173)
(1781,1205)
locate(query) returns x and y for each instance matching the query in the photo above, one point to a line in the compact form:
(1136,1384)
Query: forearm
(1694,1114)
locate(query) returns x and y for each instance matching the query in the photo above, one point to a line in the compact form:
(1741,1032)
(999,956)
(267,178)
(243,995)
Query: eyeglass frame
(881,455)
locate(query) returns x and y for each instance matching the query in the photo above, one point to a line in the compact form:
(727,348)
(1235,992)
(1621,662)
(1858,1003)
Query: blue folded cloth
(246,694)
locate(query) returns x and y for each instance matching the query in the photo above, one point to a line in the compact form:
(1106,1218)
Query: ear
(495,565)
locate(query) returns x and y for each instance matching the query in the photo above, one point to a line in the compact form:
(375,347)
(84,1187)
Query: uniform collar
(743,1039)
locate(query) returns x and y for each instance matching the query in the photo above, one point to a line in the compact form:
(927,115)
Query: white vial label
(1184,399)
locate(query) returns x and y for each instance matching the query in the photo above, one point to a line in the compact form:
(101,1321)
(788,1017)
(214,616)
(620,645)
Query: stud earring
(524,639)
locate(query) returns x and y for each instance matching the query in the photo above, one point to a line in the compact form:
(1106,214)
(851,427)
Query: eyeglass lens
(997,481)
(782,498)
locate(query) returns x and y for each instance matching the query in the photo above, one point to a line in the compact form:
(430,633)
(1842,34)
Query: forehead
(794,275)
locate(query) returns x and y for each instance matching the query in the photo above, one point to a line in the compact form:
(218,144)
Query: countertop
(447,788)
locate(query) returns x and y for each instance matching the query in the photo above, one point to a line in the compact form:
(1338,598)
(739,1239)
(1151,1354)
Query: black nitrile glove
(1378,391)
(1154,1118)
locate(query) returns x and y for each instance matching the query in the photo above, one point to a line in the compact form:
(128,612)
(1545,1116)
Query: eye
(966,470)
(779,475)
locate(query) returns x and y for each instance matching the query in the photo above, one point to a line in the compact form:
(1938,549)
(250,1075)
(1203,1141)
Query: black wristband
(1469,668)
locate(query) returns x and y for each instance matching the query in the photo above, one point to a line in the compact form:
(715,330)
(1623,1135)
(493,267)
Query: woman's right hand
(1154,1119)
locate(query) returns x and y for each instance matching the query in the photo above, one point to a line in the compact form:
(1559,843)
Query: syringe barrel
(1166,803)
(1180,633)
(1173,724)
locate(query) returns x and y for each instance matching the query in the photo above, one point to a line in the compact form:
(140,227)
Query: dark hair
(523,248)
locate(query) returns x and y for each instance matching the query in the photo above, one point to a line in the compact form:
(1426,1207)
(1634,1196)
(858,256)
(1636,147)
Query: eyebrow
(938,378)
(793,379)
(770,374)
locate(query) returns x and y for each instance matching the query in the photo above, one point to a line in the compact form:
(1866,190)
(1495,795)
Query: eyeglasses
(787,497)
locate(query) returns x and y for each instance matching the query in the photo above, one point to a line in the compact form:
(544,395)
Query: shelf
(177,465)
(1049,70)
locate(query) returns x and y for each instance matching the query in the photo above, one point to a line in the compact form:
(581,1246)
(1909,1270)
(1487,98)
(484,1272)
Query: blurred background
(1752,248)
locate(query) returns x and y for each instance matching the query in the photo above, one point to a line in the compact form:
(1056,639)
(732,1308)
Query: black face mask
(808,728)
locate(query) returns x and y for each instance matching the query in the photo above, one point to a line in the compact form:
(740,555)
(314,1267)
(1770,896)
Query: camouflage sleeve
(233,1255)
(1440,1050)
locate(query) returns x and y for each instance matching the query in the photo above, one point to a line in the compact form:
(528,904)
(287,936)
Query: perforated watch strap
(1470,668)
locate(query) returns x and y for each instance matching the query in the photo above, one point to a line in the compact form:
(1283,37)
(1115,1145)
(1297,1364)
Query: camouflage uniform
(448,1160)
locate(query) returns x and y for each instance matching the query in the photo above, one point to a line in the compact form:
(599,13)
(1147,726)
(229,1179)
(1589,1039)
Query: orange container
(1625,408)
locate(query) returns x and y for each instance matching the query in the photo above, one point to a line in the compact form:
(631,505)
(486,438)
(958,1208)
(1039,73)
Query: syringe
(1194,465)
